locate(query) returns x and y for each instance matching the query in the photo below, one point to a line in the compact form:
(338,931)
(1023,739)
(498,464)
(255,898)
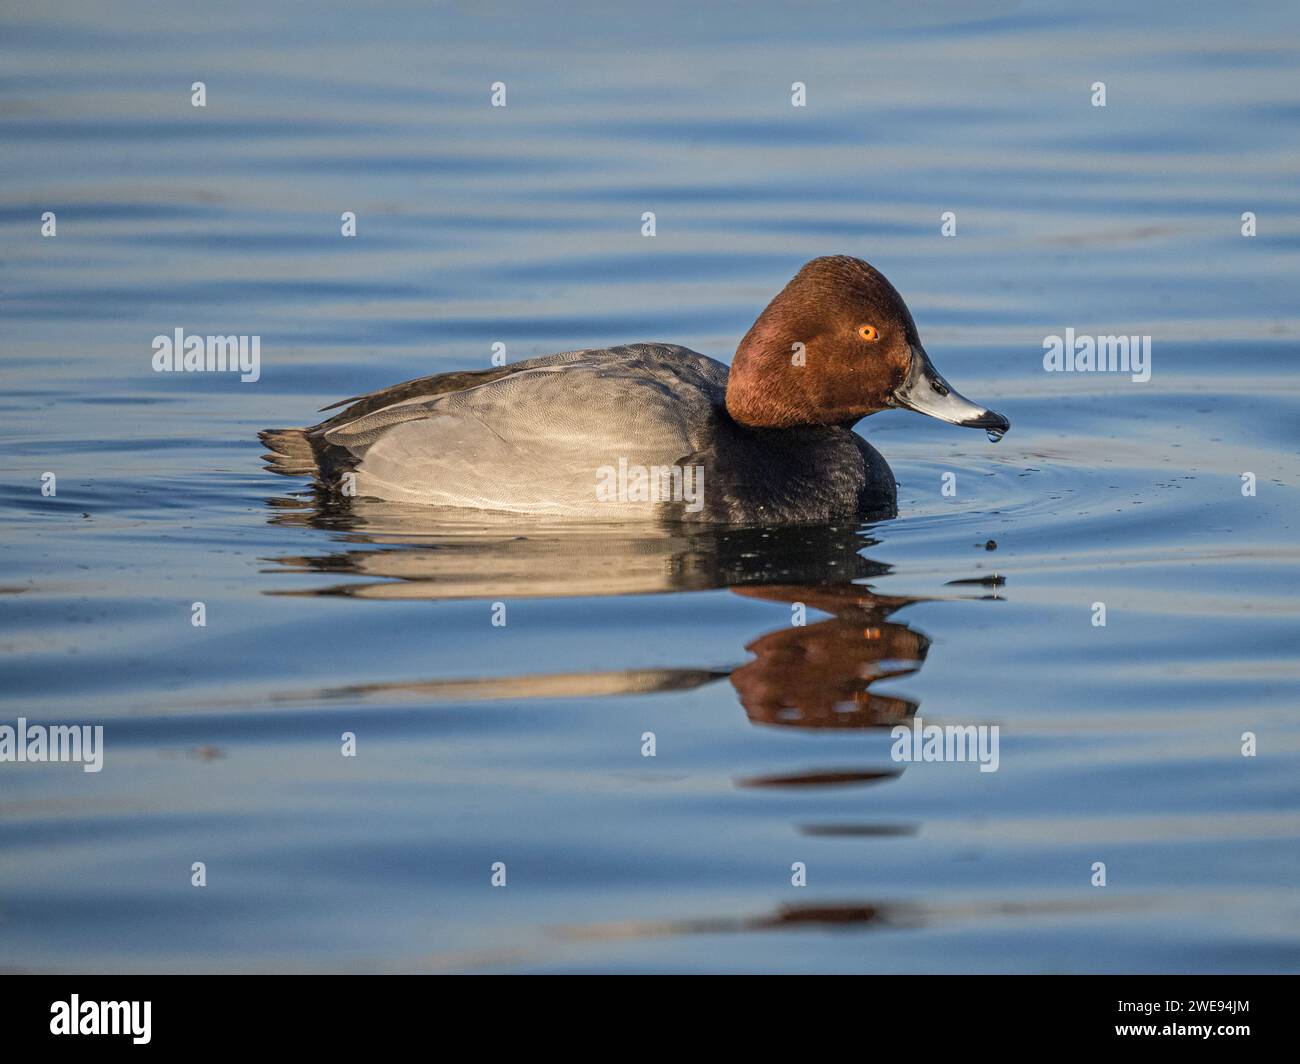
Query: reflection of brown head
(819,675)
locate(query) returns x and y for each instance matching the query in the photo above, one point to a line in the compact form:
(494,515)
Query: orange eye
(869,333)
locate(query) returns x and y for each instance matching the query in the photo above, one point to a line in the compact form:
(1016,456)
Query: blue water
(522,744)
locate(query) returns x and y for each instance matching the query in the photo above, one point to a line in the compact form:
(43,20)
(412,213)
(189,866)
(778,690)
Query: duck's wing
(307,452)
(419,388)
(536,439)
(436,384)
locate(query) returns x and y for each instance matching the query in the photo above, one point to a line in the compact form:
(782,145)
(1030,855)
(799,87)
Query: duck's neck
(775,383)
(767,387)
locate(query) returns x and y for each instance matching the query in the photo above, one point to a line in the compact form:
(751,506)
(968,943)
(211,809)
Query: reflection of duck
(855,916)
(768,440)
(820,675)
(495,557)
(813,675)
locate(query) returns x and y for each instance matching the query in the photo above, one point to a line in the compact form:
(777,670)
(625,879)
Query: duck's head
(836,344)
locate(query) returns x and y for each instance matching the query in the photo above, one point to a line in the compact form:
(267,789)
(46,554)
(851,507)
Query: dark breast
(780,476)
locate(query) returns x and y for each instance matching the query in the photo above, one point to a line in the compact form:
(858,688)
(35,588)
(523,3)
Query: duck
(656,431)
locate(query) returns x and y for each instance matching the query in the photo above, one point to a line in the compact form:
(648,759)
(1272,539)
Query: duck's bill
(926,392)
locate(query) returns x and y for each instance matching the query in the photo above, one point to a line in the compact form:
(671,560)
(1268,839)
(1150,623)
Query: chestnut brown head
(836,344)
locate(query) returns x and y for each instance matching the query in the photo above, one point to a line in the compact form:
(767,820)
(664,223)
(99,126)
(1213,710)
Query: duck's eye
(869,333)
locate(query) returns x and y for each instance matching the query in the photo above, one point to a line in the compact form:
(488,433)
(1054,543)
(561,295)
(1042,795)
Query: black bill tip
(990,419)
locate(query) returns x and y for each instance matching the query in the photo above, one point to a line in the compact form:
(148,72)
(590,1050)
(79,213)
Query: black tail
(291,452)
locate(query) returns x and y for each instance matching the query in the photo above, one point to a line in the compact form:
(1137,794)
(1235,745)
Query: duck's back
(542,436)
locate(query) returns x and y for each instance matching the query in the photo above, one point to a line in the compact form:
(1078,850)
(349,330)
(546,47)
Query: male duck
(657,430)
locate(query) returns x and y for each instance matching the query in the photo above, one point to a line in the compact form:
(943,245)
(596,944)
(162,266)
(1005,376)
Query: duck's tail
(291,453)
